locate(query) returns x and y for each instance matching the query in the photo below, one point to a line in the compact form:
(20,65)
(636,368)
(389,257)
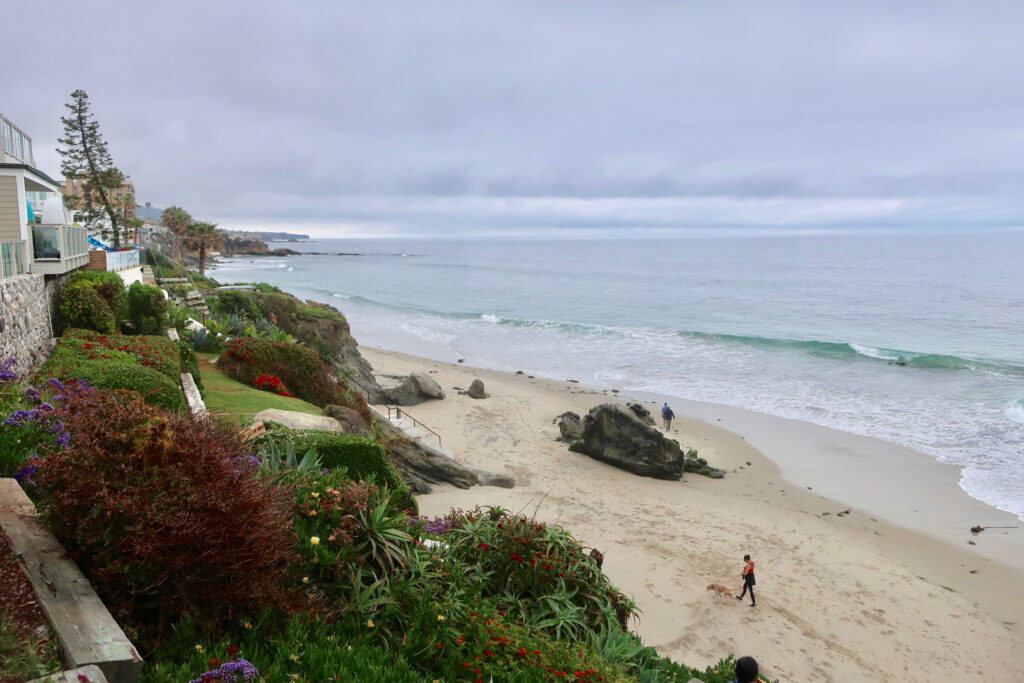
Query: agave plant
(234,324)
(263,326)
(282,462)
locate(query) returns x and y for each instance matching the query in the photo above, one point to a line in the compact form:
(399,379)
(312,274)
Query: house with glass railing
(36,234)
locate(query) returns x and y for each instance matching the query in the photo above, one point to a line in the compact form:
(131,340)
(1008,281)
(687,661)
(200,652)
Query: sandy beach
(866,567)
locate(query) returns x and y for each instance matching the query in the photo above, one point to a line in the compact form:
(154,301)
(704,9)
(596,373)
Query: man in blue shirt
(667,415)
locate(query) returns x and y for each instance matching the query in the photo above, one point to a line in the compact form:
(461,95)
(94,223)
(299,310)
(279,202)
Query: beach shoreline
(866,570)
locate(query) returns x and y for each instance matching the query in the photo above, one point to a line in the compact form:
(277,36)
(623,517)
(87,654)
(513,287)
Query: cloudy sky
(591,117)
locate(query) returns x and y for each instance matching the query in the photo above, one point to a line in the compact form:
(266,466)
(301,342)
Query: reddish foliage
(271,383)
(163,513)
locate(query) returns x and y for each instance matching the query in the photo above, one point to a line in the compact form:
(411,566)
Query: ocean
(913,338)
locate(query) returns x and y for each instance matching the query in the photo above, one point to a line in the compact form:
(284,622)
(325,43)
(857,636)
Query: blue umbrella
(31,214)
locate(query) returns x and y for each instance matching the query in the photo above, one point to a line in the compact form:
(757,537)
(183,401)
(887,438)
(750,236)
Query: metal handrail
(399,415)
(398,410)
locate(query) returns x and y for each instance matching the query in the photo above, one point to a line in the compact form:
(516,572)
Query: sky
(530,118)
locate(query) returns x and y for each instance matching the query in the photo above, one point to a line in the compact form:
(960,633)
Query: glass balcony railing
(122,260)
(58,249)
(12,258)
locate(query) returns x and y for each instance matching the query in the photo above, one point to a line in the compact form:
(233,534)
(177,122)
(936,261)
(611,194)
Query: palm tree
(201,236)
(178,221)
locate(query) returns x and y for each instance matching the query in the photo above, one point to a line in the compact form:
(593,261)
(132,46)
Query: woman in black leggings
(748,580)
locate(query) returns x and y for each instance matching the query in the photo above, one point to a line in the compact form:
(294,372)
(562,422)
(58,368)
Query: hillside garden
(294,555)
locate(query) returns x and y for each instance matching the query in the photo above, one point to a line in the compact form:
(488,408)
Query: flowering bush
(491,645)
(30,428)
(543,567)
(272,384)
(342,526)
(162,512)
(147,365)
(298,367)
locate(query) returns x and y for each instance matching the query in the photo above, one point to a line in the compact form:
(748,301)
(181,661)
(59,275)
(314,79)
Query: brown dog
(720,590)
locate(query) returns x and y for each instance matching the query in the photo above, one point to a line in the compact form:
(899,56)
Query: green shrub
(203,281)
(233,301)
(108,285)
(299,367)
(363,458)
(145,310)
(157,352)
(155,388)
(314,649)
(80,305)
(190,363)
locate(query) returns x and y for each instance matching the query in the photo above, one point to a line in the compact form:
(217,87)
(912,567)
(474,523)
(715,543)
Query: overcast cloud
(380,118)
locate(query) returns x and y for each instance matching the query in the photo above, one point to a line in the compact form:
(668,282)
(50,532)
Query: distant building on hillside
(36,235)
(123,198)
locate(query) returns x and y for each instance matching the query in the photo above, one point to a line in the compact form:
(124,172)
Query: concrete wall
(25,321)
(130,275)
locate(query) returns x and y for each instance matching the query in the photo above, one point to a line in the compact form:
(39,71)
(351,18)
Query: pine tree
(84,155)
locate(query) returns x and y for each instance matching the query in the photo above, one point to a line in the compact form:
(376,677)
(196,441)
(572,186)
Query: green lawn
(226,396)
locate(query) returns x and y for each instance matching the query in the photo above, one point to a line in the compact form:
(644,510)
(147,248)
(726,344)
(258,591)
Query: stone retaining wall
(25,329)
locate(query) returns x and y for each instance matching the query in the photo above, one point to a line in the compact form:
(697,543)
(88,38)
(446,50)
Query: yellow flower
(247,625)
(350,648)
(199,649)
(440,617)
(294,658)
(305,579)
(369,623)
(330,639)
(315,540)
(315,494)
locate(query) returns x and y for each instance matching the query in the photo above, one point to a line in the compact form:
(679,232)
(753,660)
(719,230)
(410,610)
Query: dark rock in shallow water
(616,435)
(570,426)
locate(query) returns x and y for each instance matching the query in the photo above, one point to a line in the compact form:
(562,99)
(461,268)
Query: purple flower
(62,439)
(33,395)
(7,373)
(55,383)
(235,671)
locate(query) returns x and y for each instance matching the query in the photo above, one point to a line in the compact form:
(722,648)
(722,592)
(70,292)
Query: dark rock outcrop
(492,479)
(616,435)
(570,426)
(423,462)
(350,420)
(414,389)
(476,390)
(700,466)
(642,413)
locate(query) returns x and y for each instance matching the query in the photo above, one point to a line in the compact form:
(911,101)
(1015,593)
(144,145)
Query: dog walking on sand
(720,590)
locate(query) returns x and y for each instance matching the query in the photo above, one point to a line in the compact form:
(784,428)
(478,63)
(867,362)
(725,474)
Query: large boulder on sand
(476,389)
(616,435)
(414,389)
(642,413)
(570,426)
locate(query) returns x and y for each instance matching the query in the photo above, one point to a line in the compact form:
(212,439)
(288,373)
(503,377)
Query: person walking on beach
(667,415)
(748,580)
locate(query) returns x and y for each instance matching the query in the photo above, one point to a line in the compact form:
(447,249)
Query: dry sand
(882,586)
